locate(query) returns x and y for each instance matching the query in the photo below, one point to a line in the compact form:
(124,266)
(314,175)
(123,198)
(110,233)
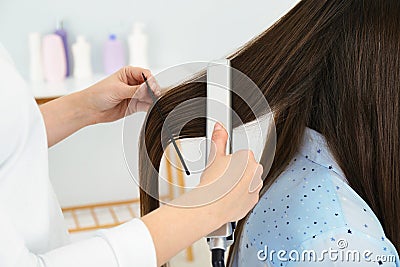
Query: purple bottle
(114,55)
(63,34)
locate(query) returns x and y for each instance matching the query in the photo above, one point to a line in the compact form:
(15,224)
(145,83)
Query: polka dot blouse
(311,216)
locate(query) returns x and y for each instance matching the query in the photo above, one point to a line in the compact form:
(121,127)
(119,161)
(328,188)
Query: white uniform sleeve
(127,245)
(346,248)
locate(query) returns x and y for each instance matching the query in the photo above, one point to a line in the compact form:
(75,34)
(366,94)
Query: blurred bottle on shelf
(137,42)
(60,31)
(113,55)
(54,59)
(81,51)
(35,57)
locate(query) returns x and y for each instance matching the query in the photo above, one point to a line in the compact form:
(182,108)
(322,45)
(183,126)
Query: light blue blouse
(311,216)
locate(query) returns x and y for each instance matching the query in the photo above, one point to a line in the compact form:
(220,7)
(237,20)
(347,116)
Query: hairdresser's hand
(230,184)
(228,189)
(238,176)
(120,94)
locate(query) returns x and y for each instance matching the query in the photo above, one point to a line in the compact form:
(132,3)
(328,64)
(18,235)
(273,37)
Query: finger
(139,92)
(256,182)
(142,106)
(154,86)
(137,106)
(134,74)
(219,140)
(135,91)
(143,90)
(131,107)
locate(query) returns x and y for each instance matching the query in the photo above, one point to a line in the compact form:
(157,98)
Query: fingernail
(256,183)
(217,126)
(254,186)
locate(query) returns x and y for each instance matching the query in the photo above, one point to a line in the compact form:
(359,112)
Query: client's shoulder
(307,201)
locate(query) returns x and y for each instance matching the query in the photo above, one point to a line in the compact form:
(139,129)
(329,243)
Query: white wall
(89,166)
(179,30)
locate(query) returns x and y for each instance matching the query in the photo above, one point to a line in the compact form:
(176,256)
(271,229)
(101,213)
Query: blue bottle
(63,34)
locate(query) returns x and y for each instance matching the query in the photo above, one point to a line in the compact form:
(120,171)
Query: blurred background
(178,31)
(89,167)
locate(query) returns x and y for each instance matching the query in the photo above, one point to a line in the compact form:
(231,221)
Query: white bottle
(137,41)
(35,57)
(81,55)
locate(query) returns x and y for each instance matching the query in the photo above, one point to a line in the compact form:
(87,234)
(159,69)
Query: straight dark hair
(333,66)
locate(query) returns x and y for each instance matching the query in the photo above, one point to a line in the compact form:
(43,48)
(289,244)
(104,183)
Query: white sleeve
(127,245)
(350,249)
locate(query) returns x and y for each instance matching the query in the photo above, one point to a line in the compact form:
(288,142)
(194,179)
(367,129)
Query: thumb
(219,140)
(141,92)
(138,92)
(130,91)
(135,91)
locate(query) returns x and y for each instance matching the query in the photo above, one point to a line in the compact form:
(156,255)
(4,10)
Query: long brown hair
(333,66)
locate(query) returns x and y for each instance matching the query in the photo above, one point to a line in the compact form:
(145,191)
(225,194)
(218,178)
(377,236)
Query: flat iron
(219,100)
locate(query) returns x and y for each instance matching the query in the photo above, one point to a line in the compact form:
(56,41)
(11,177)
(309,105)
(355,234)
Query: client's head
(333,66)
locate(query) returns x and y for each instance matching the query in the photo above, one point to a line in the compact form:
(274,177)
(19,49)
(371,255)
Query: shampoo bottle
(81,56)
(35,57)
(114,56)
(137,41)
(54,61)
(63,34)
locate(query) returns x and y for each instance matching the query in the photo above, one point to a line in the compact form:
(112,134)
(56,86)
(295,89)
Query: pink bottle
(114,56)
(54,59)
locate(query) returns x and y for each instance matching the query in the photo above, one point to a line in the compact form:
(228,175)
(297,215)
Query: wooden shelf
(47,91)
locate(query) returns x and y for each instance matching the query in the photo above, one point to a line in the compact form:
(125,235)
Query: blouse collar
(315,148)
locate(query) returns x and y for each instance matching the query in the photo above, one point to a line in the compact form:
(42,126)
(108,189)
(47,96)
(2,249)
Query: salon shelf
(47,91)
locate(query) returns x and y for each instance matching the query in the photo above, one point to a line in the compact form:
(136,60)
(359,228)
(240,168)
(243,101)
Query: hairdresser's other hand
(230,184)
(238,172)
(228,190)
(120,94)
